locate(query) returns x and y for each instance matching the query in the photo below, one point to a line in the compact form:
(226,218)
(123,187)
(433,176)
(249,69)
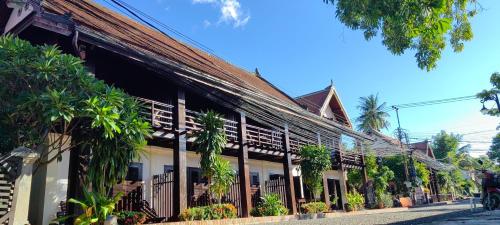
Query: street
(457,213)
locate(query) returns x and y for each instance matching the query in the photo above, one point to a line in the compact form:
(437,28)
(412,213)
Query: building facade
(176,82)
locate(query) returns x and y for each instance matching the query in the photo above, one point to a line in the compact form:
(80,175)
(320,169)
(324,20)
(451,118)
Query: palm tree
(373,116)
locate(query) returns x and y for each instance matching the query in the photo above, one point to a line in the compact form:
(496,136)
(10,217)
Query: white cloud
(206,23)
(231,12)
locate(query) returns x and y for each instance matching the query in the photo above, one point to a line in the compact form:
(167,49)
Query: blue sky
(299,46)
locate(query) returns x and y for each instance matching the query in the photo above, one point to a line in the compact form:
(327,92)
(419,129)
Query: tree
(314,161)
(222,178)
(423,173)
(45,93)
(210,142)
(373,116)
(494,152)
(396,164)
(419,25)
(445,145)
(491,95)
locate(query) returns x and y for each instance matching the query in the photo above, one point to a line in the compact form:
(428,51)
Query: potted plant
(355,201)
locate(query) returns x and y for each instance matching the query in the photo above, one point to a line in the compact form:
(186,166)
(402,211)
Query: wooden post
(364,174)
(326,192)
(180,181)
(287,170)
(244,169)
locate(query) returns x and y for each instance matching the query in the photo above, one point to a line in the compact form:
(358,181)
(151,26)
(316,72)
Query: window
(254,179)
(168,168)
(134,172)
(275,176)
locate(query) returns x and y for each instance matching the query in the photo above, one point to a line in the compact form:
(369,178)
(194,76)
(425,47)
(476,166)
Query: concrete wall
(155,158)
(48,189)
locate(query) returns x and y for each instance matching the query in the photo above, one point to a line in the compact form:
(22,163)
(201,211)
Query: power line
(139,14)
(435,102)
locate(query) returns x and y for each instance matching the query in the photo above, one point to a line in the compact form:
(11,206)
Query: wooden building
(176,82)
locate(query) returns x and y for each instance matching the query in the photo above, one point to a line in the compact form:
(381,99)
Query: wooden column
(180,164)
(364,174)
(287,170)
(243,168)
(326,192)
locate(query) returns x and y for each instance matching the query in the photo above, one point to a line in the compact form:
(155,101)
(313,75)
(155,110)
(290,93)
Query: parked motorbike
(490,195)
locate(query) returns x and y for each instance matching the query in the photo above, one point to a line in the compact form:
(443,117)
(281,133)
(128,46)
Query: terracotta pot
(380,205)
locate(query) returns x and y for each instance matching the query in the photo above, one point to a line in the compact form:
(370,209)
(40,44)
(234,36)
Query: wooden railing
(258,136)
(296,144)
(276,186)
(157,113)
(230,126)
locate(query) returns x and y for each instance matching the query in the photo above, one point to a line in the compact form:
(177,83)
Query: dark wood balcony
(260,140)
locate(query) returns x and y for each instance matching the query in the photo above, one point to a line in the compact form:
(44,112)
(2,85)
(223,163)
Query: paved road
(424,215)
(482,218)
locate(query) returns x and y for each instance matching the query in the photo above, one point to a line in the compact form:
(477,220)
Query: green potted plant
(270,205)
(355,201)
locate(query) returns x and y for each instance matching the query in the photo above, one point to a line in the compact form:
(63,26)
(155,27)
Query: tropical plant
(355,200)
(269,205)
(386,200)
(96,208)
(211,212)
(423,173)
(494,151)
(315,207)
(420,25)
(373,115)
(222,178)
(45,92)
(381,180)
(491,95)
(396,164)
(445,145)
(131,218)
(314,161)
(210,142)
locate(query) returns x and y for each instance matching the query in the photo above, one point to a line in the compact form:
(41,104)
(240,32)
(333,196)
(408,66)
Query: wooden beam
(244,169)
(326,191)
(364,174)
(287,171)
(180,162)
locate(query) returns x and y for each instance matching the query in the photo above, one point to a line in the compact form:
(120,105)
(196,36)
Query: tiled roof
(314,101)
(94,18)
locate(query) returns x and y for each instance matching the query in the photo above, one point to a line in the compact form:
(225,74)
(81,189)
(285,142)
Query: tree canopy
(46,92)
(445,145)
(373,115)
(314,161)
(494,152)
(420,25)
(491,94)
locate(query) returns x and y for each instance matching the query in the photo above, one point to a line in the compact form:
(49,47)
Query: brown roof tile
(126,31)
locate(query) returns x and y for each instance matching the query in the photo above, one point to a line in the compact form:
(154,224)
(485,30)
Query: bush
(355,200)
(131,218)
(270,205)
(386,199)
(315,207)
(212,212)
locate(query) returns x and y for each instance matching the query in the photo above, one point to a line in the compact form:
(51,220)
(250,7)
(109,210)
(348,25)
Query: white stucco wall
(155,158)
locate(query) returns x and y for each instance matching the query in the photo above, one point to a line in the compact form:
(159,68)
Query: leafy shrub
(131,218)
(212,212)
(315,207)
(355,200)
(386,199)
(270,205)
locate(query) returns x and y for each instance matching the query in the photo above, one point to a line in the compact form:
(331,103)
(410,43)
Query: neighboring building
(385,146)
(176,82)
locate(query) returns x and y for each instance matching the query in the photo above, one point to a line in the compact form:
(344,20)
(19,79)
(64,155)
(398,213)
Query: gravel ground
(423,215)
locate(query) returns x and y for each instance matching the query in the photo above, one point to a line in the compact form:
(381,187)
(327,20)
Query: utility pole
(400,137)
